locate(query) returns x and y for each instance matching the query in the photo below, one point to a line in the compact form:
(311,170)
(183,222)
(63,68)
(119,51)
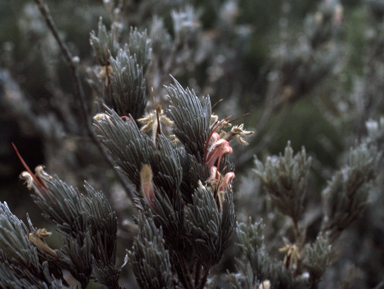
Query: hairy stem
(204,278)
(186,274)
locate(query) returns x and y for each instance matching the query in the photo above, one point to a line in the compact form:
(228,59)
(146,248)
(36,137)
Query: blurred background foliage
(307,71)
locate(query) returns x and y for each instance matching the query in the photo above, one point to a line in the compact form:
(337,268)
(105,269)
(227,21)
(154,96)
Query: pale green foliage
(15,249)
(375,132)
(345,197)
(140,47)
(150,260)
(256,266)
(344,202)
(128,84)
(285,179)
(104,44)
(319,256)
(209,230)
(191,117)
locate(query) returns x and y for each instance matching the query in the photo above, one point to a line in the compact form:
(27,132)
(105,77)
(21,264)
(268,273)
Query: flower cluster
(220,147)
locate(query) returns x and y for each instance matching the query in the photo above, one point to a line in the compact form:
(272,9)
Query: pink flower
(227,182)
(218,149)
(217,185)
(217,180)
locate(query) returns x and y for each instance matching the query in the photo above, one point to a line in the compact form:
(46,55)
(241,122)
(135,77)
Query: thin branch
(80,92)
(182,280)
(184,268)
(297,233)
(48,19)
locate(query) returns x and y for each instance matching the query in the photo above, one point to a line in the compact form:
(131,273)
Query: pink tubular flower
(218,181)
(217,185)
(214,138)
(227,182)
(214,174)
(218,149)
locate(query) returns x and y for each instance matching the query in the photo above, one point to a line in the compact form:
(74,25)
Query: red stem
(37,180)
(210,135)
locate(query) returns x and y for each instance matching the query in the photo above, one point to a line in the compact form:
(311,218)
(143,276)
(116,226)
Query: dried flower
(27,177)
(153,121)
(218,184)
(292,256)
(265,285)
(42,233)
(147,184)
(37,239)
(100,116)
(105,72)
(39,170)
(175,139)
(238,132)
(214,119)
